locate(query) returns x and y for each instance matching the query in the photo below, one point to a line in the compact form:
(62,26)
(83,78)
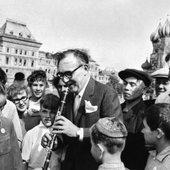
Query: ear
(101,149)
(86,67)
(160,133)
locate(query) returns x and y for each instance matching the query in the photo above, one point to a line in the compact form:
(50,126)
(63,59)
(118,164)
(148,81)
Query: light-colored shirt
(112,166)
(34,105)
(160,161)
(163,98)
(32,151)
(11,113)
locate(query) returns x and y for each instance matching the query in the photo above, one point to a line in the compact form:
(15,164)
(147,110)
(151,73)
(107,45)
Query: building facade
(20,52)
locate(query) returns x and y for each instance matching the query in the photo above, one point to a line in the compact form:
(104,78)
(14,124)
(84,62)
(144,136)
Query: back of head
(3,76)
(37,75)
(78,53)
(19,76)
(111,132)
(158,116)
(50,101)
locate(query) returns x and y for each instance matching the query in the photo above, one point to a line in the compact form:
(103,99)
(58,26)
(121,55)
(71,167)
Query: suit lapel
(86,96)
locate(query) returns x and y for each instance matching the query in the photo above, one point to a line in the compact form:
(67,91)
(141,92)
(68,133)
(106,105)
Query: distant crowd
(79,123)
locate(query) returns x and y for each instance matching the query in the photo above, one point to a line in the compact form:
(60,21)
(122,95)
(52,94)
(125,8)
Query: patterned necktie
(77,101)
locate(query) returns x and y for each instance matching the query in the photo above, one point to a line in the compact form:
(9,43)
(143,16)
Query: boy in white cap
(163,83)
(108,137)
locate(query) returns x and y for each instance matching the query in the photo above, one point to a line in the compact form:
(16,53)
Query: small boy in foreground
(108,137)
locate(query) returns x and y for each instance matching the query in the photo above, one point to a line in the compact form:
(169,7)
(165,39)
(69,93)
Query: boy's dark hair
(39,75)
(158,116)
(3,76)
(50,101)
(79,53)
(13,90)
(19,76)
(113,139)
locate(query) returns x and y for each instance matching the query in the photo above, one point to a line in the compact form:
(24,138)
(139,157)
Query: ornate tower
(160,39)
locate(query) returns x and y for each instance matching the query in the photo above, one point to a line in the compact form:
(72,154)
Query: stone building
(19,50)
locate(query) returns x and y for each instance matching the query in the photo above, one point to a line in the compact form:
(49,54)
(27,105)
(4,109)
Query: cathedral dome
(164,31)
(146,65)
(155,35)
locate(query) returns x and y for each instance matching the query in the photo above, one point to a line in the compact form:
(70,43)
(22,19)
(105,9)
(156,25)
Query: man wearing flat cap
(134,155)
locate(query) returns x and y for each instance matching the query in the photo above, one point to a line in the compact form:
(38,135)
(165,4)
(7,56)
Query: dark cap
(19,76)
(141,75)
(111,127)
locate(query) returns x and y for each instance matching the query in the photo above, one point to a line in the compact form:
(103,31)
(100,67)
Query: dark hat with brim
(140,75)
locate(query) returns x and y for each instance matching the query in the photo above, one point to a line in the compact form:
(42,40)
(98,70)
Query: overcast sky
(116,32)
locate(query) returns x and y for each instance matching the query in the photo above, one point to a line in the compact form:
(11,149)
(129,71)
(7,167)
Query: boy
(157,134)
(108,138)
(37,83)
(33,154)
(10,156)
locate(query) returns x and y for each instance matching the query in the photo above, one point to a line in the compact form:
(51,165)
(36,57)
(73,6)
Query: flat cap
(162,73)
(141,75)
(111,127)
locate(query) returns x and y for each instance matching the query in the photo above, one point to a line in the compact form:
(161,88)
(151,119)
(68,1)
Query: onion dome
(155,35)
(146,65)
(165,29)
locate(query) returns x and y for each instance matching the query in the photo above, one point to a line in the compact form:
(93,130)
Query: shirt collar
(162,154)
(41,125)
(82,91)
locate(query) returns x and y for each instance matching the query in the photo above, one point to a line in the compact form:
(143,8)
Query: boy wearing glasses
(10,157)
(19,96)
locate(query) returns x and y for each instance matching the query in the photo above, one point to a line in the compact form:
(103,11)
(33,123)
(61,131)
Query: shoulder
(10,104)
(6,121)
(163,98)
(103,87)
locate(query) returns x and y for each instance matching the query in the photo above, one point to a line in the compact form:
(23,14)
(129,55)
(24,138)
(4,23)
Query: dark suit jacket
(135,154)
(78,153)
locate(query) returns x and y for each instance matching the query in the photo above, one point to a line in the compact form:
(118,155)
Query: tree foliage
(115,83)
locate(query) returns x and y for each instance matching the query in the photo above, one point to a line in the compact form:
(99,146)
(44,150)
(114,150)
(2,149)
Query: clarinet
(53,136)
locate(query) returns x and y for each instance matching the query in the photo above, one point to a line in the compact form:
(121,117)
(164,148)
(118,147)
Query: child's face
(95,151)
(21,101)
(38,88)
(47,116)
(149,135)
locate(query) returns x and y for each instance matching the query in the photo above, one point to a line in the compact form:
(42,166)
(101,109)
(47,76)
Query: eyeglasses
(67,74)
(2,107)
(24,98)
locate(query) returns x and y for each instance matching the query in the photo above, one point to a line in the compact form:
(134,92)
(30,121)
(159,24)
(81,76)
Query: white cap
(163,72)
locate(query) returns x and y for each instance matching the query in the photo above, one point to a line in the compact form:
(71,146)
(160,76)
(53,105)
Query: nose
(126,87)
